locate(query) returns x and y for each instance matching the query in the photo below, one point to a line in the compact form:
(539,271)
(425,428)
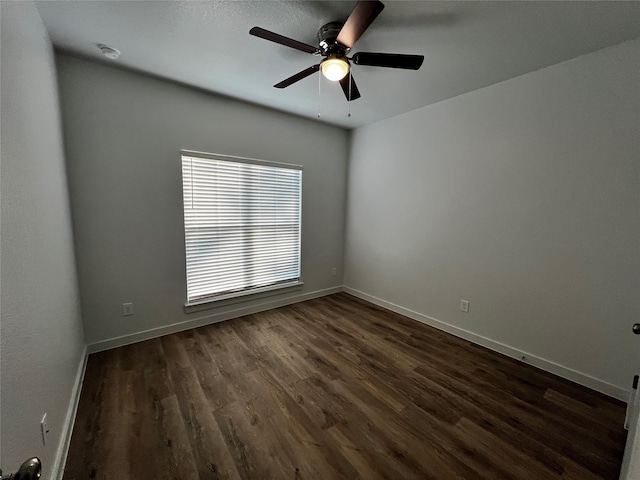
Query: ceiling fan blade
(344,83)
(282,40)
(391,60)
(363,14)
(298,76)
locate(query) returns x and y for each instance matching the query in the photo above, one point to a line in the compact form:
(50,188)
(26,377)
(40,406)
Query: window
(242,225)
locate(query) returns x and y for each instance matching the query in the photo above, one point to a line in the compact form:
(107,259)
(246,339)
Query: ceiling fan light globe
(334,69)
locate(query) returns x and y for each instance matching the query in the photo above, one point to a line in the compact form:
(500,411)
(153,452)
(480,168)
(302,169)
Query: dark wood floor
(334,388)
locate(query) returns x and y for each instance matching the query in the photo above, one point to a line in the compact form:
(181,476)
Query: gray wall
(522,197)
(41,331)
(123,134)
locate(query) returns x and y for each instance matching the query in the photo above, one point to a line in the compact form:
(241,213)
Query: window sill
(238,297)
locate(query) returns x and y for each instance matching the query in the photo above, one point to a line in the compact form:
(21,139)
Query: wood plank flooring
(334,388)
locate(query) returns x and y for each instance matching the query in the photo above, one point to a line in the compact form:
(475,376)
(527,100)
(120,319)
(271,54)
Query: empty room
(320,240)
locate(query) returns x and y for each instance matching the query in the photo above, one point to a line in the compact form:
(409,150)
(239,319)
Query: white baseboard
(541,363)
(67,428)
(205,320)
(531,359)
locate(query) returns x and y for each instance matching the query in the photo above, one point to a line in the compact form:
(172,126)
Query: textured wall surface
(42,342)
(123,134)
(522,197)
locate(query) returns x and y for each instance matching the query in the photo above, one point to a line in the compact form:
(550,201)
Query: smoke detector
(109,52)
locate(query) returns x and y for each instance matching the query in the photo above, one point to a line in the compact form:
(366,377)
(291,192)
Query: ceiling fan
(335,42)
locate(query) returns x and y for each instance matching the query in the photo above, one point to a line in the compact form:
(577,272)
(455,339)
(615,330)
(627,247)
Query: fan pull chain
(349,99)
(319,81)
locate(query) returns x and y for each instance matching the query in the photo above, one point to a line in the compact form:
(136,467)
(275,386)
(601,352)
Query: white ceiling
(467,45)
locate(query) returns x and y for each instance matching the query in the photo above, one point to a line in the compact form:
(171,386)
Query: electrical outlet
(127,309)
(334,271)
(464,306)
(44,428)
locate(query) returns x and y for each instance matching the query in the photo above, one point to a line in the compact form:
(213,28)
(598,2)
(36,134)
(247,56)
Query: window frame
(256,292)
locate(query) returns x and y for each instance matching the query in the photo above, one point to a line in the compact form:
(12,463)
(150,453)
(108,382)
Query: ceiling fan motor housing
(327,35)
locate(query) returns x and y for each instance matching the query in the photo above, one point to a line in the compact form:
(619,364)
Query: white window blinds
(242,225)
